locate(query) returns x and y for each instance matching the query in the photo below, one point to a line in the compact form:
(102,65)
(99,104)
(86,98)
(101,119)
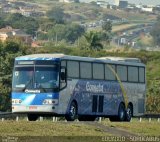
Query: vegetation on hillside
(9,50)
(69,37)
(156,32)
(18,21)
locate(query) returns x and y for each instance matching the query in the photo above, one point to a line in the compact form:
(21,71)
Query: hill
(87,12)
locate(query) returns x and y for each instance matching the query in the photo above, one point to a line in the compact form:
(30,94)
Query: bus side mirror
(63,74)
(63,78)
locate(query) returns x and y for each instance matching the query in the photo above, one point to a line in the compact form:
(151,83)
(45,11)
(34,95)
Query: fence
(11,116)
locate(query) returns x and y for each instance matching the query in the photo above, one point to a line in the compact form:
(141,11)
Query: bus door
(97,104)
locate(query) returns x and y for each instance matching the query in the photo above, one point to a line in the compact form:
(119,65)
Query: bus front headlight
(50,101)
(16,101)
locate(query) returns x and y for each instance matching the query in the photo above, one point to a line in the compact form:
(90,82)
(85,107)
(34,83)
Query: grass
(48,131)
(153,69)
(146,40)
(47,128)
(122,27)
(44,131)
(144,128)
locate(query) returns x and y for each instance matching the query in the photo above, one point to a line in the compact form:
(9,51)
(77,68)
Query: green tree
(8,51)
(2,23)
(153,99)
(56,14)
(156,33)
(107,32)
(18,21)
(93,40)
(57,33)
(69,32)
(77,1)
(107,26)
(73,32)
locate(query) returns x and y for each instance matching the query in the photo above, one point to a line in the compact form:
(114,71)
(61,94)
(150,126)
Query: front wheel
(73,110)
(32,117)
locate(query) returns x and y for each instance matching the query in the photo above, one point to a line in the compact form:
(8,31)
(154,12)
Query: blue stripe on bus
(34,99)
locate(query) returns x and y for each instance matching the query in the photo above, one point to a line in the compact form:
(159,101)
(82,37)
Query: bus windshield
(35,77)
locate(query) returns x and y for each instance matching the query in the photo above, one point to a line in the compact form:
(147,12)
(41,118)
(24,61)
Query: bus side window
(63,78)
(141,75)
(132,74)
(63,63)
(109,74)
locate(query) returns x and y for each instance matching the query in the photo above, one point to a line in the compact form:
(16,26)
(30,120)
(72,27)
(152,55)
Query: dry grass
(144,128)
(122,27)
(147,40)
(47,131)
(47,128)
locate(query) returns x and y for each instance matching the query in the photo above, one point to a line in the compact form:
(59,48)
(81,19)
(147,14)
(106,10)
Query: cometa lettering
(32,91)
(94,88)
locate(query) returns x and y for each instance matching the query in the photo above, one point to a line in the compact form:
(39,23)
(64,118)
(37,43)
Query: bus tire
(72,114)
(32,117)
(129,113)
(121,112)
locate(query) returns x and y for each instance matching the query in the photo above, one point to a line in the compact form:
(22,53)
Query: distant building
(66,1)
(9,32)
(26,13)
(12,0)
(116,2)
(102,3)
(147,9)
(123,4)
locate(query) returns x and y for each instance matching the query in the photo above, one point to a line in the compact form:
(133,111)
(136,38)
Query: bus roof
(115,60)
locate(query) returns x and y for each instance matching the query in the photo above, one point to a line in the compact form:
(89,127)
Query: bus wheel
(32,117)
(72,115)
(129,113)
(121,112)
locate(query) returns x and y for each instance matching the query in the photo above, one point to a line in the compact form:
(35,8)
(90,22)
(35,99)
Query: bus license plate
(32,107)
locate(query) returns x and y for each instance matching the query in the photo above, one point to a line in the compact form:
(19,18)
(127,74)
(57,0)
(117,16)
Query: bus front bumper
(34,108)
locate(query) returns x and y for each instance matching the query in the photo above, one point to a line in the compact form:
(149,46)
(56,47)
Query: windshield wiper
(41,87)
(29,82)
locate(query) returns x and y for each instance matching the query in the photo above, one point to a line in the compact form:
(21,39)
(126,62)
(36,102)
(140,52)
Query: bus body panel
(82,91)
(112,93)
(33,102)
(136,95)
(99,97)
(109,94)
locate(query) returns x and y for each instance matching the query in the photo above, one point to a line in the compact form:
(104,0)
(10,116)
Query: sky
(145,2)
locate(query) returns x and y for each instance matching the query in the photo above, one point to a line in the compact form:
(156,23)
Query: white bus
(78,87)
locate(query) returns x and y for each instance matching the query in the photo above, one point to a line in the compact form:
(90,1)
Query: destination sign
(25,62)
